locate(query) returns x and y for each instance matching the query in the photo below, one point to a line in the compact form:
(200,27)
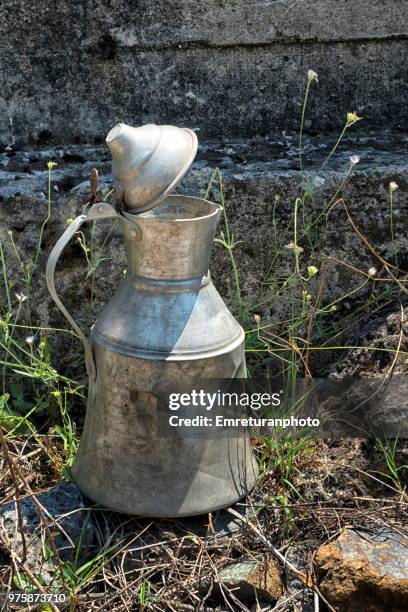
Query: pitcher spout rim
(154,214)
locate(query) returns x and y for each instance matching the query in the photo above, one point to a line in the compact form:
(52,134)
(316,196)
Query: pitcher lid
(149,161)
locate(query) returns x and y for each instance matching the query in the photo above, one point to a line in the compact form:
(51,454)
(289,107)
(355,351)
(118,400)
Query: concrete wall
(71,69)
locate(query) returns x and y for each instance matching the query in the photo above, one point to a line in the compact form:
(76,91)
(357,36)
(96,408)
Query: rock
(364,571)
(368,387)
(254,576)
(225,524)
(201,53)
(382,331)
(63,499)
(271,169)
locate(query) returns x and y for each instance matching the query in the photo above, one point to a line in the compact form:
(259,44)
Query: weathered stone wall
(260,197)
(69,70)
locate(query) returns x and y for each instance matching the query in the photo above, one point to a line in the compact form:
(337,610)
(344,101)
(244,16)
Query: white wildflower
(372,272)
(393,186)
(30,339)
(318,181)
(312,76)
(21,297)
(354,159)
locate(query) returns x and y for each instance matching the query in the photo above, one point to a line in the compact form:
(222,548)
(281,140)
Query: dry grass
(173,564)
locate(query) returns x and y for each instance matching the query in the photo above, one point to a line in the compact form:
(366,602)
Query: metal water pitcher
(166,322)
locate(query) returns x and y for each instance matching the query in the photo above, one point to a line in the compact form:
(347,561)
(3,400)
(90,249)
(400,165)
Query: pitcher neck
(169,243)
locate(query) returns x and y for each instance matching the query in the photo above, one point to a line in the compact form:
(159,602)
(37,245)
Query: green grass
(394,470)
(280,454)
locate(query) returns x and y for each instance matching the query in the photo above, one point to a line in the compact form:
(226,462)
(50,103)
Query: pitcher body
(166,323)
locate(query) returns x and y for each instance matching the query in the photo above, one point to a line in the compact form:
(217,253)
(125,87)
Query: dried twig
(301,575)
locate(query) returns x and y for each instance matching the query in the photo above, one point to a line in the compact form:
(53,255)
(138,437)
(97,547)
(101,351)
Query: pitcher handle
(99,210)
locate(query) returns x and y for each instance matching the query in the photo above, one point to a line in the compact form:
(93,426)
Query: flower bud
(312,76)
(352,118)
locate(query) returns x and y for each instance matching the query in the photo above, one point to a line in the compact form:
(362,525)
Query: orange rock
(363,571)
(260,576)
